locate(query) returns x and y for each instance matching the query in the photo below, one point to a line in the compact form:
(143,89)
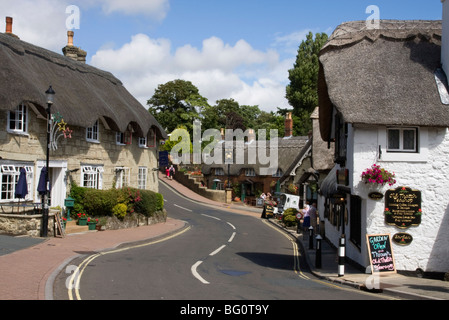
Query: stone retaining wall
(26,224)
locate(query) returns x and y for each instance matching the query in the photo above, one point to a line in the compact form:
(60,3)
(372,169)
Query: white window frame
(420,155)
(93,133)
(401,147)
(120,138)
(11,173)
(92,176)
(143,142)
(122,177)
(219,172)
(20,119)
(250,172)
(142,178)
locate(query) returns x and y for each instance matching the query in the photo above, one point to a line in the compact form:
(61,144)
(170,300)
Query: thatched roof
(382,76)
(288,150)
(83,93)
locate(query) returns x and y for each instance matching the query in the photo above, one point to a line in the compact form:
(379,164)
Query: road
(220,256)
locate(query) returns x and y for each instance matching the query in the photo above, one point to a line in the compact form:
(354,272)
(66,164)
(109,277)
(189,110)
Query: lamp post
(228,160)
(50,95)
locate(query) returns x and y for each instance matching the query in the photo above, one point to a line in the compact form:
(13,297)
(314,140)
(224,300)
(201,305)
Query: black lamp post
(50,95)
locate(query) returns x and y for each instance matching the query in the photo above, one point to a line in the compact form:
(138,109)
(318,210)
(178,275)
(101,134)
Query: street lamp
(228,160)
(50,96)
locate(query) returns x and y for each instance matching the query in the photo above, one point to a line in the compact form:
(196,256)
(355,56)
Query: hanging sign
(380,253)
(403,207)
(402,239)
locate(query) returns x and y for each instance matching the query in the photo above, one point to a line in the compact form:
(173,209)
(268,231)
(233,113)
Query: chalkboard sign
(380,253)
(403,207)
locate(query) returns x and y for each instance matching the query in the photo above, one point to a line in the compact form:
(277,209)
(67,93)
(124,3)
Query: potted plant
(82,219)
(376,175)
(92,223)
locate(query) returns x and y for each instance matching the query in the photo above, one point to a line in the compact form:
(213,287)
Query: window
(402,140)
(92,177)
(219,172)
(143,142)
(92,133)
(249,172)
(151,139)
(142,178)
(122,177)
(9,176)
(278,173)
(18,120)
(120,138)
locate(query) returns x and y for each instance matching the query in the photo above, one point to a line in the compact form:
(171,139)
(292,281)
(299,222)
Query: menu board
(403,207)
(380,253)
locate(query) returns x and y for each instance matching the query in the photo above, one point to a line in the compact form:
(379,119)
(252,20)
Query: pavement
(27,273)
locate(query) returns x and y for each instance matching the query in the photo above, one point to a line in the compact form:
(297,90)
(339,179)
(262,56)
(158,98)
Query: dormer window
(92,133)
(18,120)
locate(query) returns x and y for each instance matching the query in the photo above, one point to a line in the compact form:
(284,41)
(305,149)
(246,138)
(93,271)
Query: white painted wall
(430,247)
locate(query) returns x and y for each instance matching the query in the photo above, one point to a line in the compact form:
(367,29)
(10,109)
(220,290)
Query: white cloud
(219,70)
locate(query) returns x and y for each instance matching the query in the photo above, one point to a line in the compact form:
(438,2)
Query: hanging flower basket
(376,175)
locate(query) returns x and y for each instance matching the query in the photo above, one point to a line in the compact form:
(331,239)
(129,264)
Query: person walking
(172,172)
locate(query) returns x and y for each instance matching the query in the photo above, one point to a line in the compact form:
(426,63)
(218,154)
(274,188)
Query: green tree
(176,103)
(302,92)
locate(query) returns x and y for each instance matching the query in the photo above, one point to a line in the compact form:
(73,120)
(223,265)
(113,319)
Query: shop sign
(403,207)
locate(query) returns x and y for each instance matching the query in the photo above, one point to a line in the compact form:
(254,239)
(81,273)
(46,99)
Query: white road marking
(217,251)
(182,208)
(231,225)
(232,237)
(211,216)
(195,273)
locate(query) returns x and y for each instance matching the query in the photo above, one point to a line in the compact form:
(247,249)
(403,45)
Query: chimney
(73,52)
(288,131)
(8,31)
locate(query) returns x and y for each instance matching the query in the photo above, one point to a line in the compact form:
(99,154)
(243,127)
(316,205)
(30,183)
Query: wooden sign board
(59,229)
(380,253)
(403,207)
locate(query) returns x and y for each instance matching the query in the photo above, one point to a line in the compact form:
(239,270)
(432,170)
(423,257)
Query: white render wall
(429,249)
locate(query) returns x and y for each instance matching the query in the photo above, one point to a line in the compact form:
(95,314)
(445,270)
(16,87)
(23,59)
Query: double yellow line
(73,283)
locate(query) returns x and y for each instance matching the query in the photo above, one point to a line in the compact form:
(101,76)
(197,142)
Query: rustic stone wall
(24,224)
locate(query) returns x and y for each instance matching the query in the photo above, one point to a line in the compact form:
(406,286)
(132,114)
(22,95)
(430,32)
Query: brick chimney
(8,31)
(288,129)
(73,52)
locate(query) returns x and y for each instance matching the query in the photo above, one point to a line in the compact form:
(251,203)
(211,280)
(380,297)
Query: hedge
(104,202)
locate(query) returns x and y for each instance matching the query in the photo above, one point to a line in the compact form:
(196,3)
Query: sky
(229,49)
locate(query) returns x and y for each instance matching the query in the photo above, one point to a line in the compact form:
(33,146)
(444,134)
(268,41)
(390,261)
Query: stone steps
(72,227)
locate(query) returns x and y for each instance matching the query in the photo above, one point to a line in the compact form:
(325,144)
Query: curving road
(220,256)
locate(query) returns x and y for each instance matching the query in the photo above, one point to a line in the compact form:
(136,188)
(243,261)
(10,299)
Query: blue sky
(240,49)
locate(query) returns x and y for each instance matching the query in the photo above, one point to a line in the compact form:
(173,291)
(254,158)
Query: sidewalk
(402,286)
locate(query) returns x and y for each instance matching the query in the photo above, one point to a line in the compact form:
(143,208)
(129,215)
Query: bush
(120,210)
(289,217)
(117,202)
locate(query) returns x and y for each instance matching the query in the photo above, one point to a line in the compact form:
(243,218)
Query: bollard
(341,257)
(318,252)
(310,237)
